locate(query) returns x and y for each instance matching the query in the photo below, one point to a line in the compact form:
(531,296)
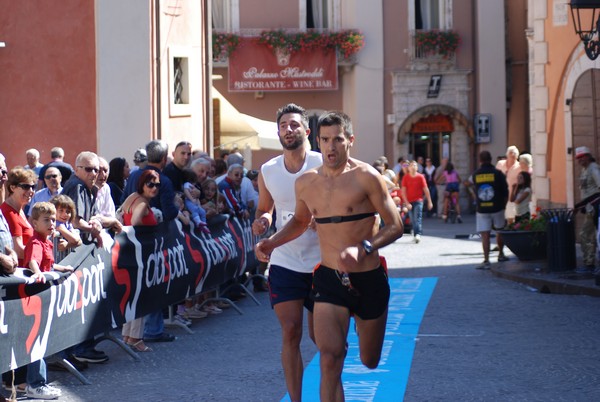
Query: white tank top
(303,253)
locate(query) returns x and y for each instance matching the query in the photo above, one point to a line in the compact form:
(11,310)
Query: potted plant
(347,42)
(527,238)
(223,44)
(434,42)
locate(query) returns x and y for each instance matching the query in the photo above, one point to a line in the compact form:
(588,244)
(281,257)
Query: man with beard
(290,272)
(344,196)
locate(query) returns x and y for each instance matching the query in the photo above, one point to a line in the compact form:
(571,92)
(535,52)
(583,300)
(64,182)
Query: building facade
(106,76)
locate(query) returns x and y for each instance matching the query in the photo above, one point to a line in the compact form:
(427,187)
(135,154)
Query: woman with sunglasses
(20,186)
(136,207)
(136,211)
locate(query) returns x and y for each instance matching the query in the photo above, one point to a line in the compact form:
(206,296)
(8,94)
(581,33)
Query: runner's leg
(290,314)
(331,330)
(370,340)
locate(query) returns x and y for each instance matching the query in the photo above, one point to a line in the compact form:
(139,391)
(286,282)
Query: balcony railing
(346,42)
(434,47)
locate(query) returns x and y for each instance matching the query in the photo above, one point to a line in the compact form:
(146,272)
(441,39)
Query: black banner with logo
(141,270)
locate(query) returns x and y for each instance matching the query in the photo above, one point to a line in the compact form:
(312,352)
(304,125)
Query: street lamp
(589,37)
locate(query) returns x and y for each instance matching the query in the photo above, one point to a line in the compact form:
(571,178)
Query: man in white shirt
(291,265)
(104,202)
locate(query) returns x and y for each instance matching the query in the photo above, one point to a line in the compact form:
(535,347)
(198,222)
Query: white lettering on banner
(356,366)
(3,326)
(165,264)
(219,249)
(259,85)
(362,391)
(67,296)
(40,344)
(247,239)
(303,84)
(295,72)
(79,290)
(253,74)
(324,84)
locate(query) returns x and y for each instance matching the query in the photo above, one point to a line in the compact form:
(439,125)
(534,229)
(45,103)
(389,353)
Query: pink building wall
(48,79)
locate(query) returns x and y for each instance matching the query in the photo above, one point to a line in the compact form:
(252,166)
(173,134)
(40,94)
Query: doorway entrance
(430,138)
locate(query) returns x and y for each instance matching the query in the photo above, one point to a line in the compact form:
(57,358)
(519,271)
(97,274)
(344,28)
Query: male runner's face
(334,146)
(292,133)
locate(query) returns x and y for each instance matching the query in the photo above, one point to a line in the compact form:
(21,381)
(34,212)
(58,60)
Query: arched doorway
(439,131)
(585,123)
(429,137)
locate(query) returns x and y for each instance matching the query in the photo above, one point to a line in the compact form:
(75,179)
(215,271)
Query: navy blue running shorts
(286,285)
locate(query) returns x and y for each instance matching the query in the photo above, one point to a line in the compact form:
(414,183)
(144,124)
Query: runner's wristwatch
(367,246)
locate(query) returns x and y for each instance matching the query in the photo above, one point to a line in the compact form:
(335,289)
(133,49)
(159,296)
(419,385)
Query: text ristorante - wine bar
(254,67)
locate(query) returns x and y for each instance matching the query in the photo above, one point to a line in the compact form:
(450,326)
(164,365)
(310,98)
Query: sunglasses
(51,176)
(26,186)
(151,184)
(89,169)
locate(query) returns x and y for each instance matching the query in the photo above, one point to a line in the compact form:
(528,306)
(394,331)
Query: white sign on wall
(560,13)
(483,129)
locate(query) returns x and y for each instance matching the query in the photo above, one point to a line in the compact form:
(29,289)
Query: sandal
(139,346)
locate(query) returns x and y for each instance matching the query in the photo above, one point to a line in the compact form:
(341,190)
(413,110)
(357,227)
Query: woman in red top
(21,186)
(136,211)
(136,208)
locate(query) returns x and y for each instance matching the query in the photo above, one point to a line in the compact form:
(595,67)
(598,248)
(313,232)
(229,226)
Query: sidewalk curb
(534,274)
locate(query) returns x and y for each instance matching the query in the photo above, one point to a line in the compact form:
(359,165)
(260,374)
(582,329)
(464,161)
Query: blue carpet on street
(408,301)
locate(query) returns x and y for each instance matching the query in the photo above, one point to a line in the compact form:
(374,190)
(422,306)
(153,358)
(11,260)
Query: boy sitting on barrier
(39,255)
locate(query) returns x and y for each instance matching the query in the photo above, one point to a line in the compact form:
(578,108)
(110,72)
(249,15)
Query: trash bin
(560,232)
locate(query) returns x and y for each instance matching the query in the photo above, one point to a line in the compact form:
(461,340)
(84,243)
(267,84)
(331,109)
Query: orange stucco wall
(562,42)
(47,79)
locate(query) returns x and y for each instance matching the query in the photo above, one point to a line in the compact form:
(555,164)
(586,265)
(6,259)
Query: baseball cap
(140,155)
(582,151)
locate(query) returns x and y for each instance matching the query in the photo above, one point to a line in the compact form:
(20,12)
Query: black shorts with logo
(367,296)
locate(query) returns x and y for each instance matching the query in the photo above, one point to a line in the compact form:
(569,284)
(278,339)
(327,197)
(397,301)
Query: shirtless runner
(343,195)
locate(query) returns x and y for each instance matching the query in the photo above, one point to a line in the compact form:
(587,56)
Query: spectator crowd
(47,210)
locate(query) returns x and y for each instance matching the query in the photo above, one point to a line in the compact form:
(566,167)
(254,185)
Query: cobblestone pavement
(483,338)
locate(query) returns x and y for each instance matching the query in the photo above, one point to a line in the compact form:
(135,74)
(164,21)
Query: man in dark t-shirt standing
(492,194)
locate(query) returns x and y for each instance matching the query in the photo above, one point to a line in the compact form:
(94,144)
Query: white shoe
(181,320)
(417,238)
(211,309)
(43,392)
(191,312)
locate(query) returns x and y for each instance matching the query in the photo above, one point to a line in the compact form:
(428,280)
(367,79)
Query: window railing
(347,43)
(434,45)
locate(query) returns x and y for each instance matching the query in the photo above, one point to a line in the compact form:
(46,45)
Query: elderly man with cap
(589,185)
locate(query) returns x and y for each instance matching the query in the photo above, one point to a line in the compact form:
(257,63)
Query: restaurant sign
(255,67)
